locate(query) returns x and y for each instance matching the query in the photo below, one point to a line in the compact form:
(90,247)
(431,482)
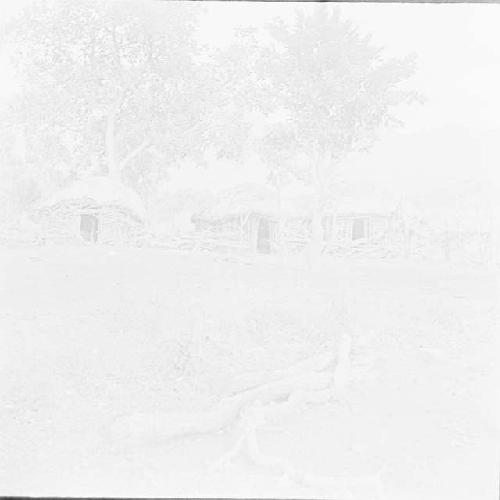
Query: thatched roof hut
(247,213)
(258,215)
(93,210)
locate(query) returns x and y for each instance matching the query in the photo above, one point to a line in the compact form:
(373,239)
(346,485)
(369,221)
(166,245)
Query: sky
(451,138)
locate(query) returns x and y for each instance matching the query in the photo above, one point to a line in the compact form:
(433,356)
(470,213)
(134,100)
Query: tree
(117,86)
(337,92)
(237,93)
(277,149)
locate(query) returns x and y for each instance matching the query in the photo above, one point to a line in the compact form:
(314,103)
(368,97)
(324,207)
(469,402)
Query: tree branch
(142,146)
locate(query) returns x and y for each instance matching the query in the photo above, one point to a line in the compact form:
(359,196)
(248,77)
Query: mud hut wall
(117,226)
(295,228)
(111,229)
(252,225)
(379,227)
(232,227)
(61,226)
(274,227)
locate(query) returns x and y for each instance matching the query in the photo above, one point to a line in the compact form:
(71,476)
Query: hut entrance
(89,227)
(264,236)
(359,229)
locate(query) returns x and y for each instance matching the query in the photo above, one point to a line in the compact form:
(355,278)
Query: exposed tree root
(286,391)
(255,415)
(307,376)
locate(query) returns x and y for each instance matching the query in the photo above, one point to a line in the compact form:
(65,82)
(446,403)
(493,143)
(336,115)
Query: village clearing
(94,336)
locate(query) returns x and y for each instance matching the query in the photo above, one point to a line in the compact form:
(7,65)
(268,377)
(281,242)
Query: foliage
(335,86)
(117,82)
(124,88)
(277,147)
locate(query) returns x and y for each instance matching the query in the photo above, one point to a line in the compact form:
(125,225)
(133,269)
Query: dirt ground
(91,334)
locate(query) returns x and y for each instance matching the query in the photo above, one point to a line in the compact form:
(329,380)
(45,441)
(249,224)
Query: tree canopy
(335,86)
(124,88)
(112,81)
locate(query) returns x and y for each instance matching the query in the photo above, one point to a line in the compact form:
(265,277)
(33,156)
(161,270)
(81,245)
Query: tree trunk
(279,236)
(317,234)
(20,145)
(113,170)
(332,240)
(94,164)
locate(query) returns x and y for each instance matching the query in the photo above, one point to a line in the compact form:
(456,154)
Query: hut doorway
(264,236)
(89,227)
(359,229)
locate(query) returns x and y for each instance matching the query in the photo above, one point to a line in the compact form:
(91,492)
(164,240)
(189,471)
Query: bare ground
(91,334)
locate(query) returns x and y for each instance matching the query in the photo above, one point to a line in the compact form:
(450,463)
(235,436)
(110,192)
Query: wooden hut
(93,210)
(256,218)
(244,217)
(361,221)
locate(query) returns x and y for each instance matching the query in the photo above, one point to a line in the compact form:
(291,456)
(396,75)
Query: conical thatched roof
(100,191)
